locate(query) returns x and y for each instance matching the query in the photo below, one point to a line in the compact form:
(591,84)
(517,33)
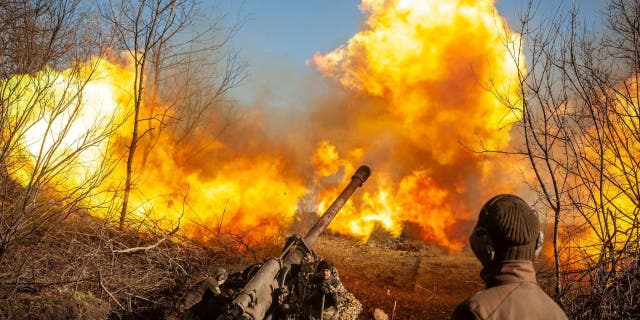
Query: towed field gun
(274,289)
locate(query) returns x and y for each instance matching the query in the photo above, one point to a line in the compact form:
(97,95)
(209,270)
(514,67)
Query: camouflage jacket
(319,287)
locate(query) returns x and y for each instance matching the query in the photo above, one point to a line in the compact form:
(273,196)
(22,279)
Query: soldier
(201,293)
(506,240)
(323,293)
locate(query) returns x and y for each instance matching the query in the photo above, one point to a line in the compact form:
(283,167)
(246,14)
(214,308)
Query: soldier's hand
(328,289)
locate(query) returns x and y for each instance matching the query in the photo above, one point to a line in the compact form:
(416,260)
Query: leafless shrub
(578,108)
(186,72)
(132,273)
(38,108)
(127,269)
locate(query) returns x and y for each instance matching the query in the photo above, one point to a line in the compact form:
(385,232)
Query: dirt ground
(415,282)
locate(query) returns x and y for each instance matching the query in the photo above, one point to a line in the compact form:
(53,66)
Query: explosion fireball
(418,103)
(429,64)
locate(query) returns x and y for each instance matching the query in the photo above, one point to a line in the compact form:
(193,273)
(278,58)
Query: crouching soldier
(323,293)
(506,240)
(204,296)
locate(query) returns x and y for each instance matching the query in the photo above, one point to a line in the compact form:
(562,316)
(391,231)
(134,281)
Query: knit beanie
(513,227)
(324,264)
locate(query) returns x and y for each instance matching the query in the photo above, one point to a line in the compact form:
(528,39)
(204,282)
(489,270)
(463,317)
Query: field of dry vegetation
(86,269)
(79,273)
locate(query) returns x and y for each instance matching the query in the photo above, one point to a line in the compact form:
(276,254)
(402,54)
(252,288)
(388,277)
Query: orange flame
(431,63)
(606,187)
(250,193)
(419,73)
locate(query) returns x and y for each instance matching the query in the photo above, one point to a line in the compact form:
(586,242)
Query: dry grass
(80,259)
(79,271)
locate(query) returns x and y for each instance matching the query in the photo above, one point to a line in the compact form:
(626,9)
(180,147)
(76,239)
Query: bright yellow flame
(249,196)
(415,199)
(68,122)
(429,59)
(612,202)
(435,66)
(326,160)
(428,63)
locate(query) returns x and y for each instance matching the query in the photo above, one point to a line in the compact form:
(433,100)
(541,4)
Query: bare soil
(410,282)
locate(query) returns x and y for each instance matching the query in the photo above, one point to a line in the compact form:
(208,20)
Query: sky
(277,37)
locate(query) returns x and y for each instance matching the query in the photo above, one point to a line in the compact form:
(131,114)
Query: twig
(222,217)
(107,290)
(46,284)
(137,249)
(393,312)
(142,298)
(433,293)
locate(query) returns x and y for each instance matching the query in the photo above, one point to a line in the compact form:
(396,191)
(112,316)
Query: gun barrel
(255,299)
(361,175)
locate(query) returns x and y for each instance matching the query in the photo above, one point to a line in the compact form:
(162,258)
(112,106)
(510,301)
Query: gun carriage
(274,288)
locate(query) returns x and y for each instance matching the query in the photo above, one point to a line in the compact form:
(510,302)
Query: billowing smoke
(413,98)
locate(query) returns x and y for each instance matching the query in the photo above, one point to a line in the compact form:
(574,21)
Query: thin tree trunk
(133,145)
(556,255)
